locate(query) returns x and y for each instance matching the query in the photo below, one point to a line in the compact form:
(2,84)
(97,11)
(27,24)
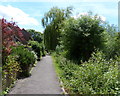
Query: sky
(28,13)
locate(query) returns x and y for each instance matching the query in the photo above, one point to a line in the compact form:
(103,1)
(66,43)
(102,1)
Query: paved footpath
(42,81)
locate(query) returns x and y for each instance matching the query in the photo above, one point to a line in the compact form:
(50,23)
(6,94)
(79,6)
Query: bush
(80,37)
(97,76)
(0,70)
(116,48)
(43,50)
(25,58)
(38,48)
(112,45)
(10,71)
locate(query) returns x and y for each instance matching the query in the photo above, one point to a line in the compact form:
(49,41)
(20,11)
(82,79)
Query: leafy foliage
(117,45)
(37,36)
(97,76)
(112,44)
(52,22)
(25,58)
(80,37)
(36,47)
(10,31)
(10,71)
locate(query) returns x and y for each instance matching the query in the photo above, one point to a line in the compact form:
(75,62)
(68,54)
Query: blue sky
(28,15)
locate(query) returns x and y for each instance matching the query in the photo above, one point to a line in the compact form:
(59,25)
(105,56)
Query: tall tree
(52,22)
(36,36)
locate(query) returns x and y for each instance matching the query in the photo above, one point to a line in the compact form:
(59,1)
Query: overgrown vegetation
(80,37)
(74,42)
(81,68)
(18,57)
(9,71)
(25,58)
(96,76)
(38,48)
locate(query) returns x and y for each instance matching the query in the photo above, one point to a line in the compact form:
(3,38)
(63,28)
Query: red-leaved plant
(10,33)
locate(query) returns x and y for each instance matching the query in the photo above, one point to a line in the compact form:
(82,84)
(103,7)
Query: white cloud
(99,8)
(17,14)
(84,13)
(102,18)
(79,15)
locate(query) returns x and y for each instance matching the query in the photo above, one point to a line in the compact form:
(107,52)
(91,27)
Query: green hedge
(97,76)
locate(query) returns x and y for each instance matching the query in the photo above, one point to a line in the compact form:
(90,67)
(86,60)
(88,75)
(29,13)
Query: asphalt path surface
(43,80)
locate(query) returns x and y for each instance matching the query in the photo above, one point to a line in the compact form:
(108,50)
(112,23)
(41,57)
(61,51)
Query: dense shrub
(0,70)
(112,44)
(10,71)
(97,76)
(25,58)
(43,49)
(38,48)
(116,46)
(80,37)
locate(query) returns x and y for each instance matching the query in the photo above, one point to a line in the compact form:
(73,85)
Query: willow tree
(52,22)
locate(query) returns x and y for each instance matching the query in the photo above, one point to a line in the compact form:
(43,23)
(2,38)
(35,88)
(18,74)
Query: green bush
(0,69)
(116,46)
(43,50)
(112,44)
(25,58)
(38,48)
(80,37)
(10,71)
(97,76)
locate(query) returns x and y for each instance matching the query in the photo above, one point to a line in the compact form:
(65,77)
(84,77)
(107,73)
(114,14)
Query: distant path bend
(42,81)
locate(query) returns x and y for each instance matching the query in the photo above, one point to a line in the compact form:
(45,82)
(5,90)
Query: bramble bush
(97,76)
(25,58)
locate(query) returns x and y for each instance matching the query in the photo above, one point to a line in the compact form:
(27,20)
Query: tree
(112,41)
(52,23)
(36,36)
(10,31)
(80,37)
